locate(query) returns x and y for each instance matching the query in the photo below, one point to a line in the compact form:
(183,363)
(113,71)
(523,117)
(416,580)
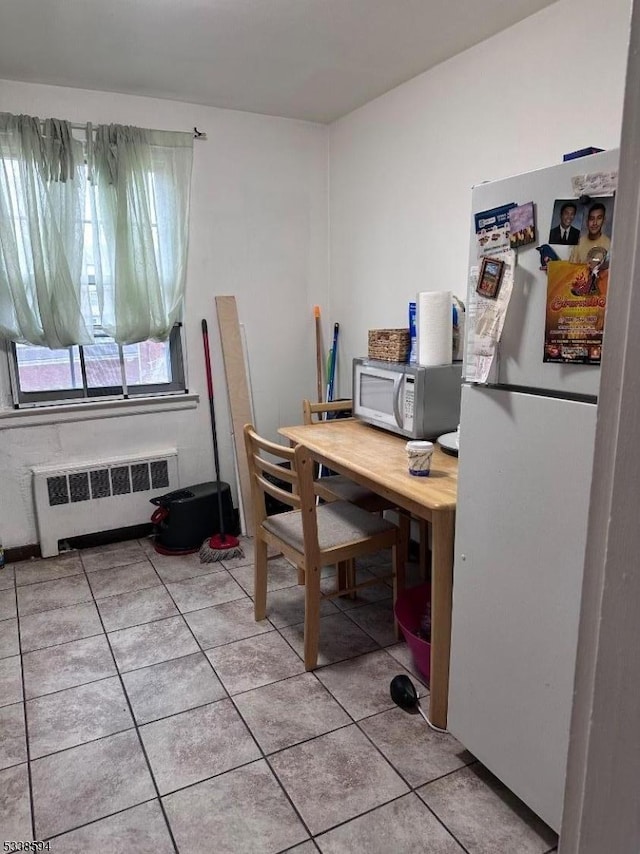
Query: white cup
(419,458)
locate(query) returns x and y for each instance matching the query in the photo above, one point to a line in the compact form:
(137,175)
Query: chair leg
(397,562)
(260,580)
(346,570)
(404,529)
(342,575)
(351,576)
(311,617)
(425,553)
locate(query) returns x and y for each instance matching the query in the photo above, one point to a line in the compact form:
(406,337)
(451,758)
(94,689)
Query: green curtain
(139,183)
(42,192)
(128,222)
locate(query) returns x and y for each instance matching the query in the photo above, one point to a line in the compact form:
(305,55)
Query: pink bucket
(410,608)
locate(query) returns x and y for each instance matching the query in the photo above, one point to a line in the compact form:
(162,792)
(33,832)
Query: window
(93,252)
(103,370)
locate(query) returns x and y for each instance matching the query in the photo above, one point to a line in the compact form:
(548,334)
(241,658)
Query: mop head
(220,547)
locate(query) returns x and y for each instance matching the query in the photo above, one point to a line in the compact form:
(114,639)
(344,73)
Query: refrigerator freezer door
(521,348)
(523,500)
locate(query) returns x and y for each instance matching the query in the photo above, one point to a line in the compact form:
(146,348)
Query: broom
(220,546)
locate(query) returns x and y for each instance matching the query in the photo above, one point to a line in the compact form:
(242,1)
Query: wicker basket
(391,345)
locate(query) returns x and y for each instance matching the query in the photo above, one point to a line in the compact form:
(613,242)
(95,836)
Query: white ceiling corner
(306,59)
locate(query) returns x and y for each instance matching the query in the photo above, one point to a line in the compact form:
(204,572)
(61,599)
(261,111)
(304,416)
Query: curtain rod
(197,134)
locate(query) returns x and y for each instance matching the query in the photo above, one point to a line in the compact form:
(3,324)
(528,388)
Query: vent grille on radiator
(159,475)
(100,485)
(120,480)
(79,486)
(58,490)
(101,496)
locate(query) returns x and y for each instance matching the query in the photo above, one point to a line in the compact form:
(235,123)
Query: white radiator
(90,497)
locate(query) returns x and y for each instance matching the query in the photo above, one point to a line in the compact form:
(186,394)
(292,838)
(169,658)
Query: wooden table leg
(443,523)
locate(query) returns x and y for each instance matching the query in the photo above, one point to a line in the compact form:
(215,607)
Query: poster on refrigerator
(576,303)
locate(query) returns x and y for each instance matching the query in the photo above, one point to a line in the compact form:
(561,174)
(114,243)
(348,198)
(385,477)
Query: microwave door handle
(397,386)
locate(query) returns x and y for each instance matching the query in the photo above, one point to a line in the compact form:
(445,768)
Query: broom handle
(316,311)
(207,365)
(334,359)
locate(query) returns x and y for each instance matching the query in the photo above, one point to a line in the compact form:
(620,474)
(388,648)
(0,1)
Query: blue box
(413,355)
(583,152)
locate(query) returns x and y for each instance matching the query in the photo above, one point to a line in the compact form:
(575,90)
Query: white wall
(402,167)
(258,231)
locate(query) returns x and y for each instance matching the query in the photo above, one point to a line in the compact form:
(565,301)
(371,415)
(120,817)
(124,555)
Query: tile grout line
(384,804)
(434,814)
(46,580)
(96,820)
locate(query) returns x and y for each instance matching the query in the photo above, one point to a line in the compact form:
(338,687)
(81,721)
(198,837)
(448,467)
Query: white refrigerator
(525,464)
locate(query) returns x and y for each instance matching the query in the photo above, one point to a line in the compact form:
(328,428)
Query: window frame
(85,394)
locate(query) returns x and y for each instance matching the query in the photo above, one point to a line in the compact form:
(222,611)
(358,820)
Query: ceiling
(304,59)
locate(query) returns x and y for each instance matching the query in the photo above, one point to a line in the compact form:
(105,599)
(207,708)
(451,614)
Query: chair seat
(339,524)
(344,489)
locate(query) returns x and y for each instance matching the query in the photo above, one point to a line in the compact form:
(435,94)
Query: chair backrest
(257,449)
(299,475)
(313,412)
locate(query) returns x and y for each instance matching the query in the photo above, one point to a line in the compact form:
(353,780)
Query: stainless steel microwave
(414,401)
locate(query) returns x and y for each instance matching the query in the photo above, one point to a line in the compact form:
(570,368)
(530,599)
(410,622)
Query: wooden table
(377,459)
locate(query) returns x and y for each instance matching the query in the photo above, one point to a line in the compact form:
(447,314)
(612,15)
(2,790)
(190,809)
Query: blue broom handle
(334,359)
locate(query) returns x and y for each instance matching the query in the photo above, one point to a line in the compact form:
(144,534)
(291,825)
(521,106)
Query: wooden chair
(338,487)
(309,536)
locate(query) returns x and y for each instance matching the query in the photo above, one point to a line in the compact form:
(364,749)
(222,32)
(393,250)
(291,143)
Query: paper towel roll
(435,328)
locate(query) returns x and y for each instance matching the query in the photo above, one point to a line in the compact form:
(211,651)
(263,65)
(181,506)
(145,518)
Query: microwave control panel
(408,401)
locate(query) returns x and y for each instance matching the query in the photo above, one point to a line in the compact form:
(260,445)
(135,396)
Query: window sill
(38,416)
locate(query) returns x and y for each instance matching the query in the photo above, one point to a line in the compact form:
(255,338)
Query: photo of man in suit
(565,233)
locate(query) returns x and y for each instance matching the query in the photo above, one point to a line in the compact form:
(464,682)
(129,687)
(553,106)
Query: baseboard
(18,553)
(103,538)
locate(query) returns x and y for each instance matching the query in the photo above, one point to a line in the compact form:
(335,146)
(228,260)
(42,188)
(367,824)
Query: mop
(220,546)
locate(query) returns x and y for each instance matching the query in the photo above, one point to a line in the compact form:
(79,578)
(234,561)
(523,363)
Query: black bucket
(185,518)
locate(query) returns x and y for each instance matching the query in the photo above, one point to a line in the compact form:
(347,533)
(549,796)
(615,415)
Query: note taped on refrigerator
(485,320)
(595,183)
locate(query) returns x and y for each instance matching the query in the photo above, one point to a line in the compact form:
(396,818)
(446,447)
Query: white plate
(449,441)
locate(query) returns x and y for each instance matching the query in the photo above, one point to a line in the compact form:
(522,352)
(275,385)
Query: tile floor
(142,709)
